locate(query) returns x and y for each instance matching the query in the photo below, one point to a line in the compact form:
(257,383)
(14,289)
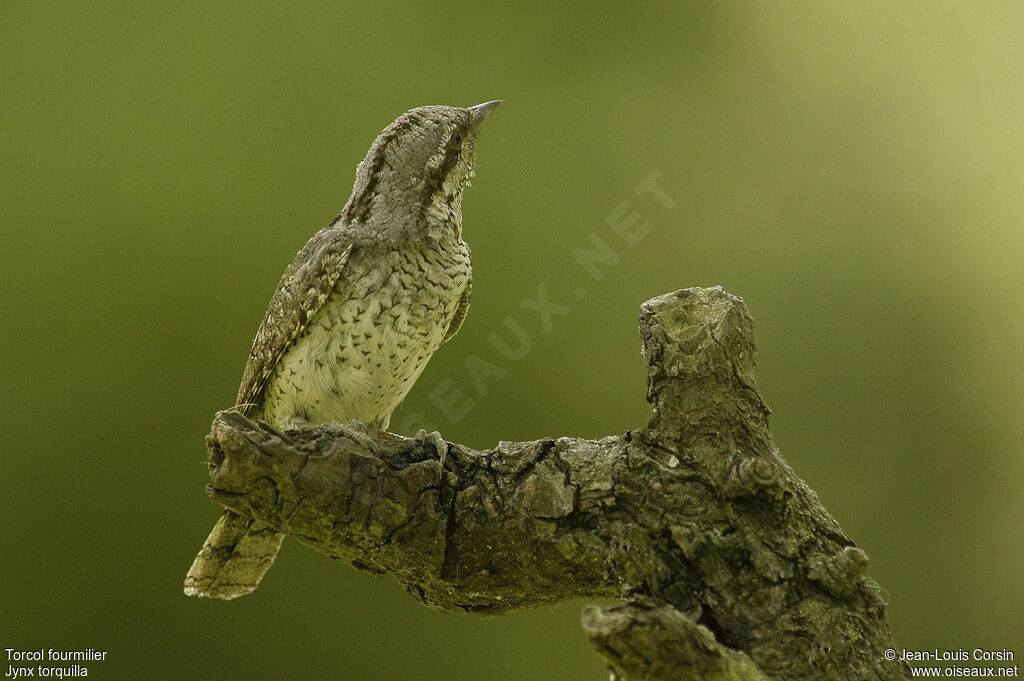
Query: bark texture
(728,565)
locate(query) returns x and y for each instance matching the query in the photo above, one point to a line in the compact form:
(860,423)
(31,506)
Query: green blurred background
(852,170)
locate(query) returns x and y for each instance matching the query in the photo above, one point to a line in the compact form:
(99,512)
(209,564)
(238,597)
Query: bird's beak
(482,111)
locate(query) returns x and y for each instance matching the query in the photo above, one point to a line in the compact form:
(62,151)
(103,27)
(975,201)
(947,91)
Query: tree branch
(729,565)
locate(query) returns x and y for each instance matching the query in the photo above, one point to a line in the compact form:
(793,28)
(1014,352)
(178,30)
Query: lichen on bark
(726,562)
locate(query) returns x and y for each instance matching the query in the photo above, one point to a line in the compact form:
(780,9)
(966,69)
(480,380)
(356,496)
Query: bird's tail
(234,558)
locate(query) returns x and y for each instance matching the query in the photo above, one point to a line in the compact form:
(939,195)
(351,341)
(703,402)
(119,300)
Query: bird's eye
(458,139)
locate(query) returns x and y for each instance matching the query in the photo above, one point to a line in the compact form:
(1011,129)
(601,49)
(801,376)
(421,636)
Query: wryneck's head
(413,176)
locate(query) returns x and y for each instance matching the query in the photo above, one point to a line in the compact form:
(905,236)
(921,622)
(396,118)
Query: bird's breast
(363,350)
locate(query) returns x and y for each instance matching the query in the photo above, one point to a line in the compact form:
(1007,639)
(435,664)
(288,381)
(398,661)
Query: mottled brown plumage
(358,312)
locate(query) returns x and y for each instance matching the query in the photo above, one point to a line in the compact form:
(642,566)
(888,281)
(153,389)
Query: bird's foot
(358,433)
(434,438)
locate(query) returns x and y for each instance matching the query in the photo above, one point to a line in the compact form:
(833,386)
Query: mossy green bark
(729,566)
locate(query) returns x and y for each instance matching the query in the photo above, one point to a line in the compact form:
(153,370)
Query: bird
(358,314)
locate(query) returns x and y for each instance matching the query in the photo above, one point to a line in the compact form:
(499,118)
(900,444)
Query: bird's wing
(303,288)
(460,312)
